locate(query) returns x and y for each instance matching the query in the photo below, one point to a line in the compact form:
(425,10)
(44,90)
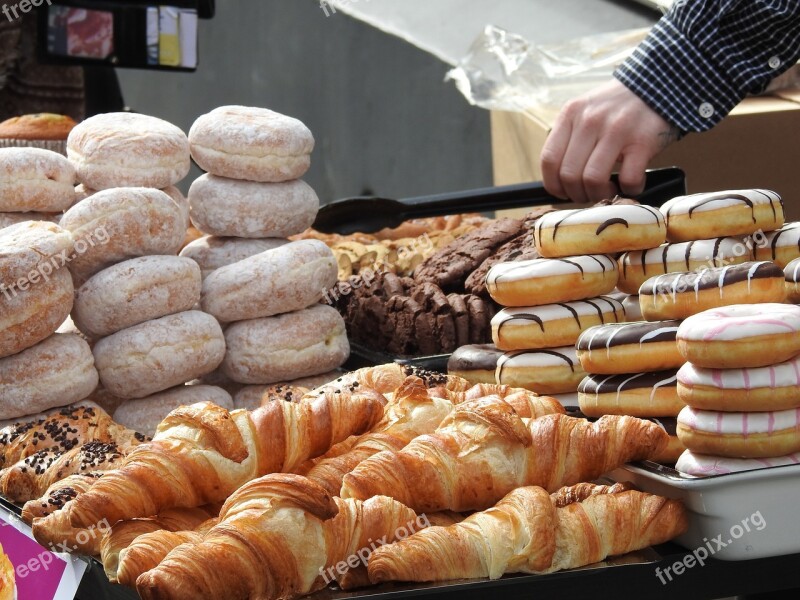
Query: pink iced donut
(704,465)
(741,335)
(740,434)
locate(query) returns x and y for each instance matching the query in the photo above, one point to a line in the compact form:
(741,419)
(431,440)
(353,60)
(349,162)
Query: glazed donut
(212,252)
(638,395)
(128,150)
(774,387)
(548,280)
(476,363)
(552,325)
(135,291)
(32,310)
(122,223)
(704,465)
(719,214)
(26,246)
(746,335)
(790,274)
(544,371)
(255,144)
(159,354)
(221,206)
(740,434)
(633,310)
(680,295)
(637,267)
(781,246)
(599,230)
(55,372)
(674,447)
(32,179)
(285,347)
(629,347)
(288,278)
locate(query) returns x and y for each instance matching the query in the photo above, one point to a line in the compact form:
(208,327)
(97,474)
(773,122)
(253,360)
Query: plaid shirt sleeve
(704,56)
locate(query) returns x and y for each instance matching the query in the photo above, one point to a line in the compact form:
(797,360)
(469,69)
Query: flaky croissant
(483,450)
(202,453)
(527,533)
(57,495)
(280,536)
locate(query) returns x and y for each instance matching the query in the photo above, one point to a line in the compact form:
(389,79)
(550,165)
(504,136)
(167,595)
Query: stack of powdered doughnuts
(265,289)
(741,385)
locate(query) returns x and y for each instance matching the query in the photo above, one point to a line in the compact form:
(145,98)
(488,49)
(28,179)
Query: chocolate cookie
(461,318)
(479,329)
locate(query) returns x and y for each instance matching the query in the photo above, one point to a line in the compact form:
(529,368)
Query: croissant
(202,453)
(280,536)
(483,450)
(527,533)
(66,429)
(57,495)
(581,491)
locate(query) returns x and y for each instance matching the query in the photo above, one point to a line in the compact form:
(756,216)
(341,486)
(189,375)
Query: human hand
(607,125)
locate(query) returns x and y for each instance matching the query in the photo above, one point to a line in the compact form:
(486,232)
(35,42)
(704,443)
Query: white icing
(700,252)
(741,423)
(611,309)
(774,376)
(741,321)
(589,335)
(700,465)
(550,267)
(539,358)
(635,214)
(791,270)
(788,235)
(683,204)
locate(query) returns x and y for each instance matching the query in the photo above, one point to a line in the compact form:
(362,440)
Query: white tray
(738,516)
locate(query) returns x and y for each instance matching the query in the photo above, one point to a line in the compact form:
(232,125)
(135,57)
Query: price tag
(38,572)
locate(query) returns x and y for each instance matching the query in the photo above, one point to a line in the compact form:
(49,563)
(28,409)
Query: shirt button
(774,62)
(706,110)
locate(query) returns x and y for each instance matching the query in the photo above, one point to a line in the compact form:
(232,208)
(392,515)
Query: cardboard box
(754,146)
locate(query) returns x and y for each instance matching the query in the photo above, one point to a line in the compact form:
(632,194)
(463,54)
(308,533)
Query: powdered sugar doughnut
(781,246)
(629,347)
(740,434)
(547,280)
(637,267)
(212,252)
(704,465)
(33,179)
(255,144)
(774,387)
(599,230)
(637,395)
(545,371)
(680,295)
(551,325)
(745,335)
(718,214)
(791,273)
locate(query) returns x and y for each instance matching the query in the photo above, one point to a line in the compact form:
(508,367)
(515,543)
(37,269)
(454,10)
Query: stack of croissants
(387,474)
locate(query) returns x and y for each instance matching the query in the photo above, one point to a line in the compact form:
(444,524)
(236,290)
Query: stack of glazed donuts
(549,301)
(741,384)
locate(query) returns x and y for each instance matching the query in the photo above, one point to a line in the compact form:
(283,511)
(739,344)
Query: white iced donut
(745,335)
(740,434)
(718,214)
(547,280)
(629,347)
(790,273)
(704,465)
(774,387)
(637,395)
(552,325)
(544,371)
(599,230)
(637,267)
(781,246)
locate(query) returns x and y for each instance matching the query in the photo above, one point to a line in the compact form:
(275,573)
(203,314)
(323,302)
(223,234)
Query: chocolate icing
(707,279)
(776,238)
(601,226)
(620,334)
(613,384)
(665,252)
(474,357)
(613,305)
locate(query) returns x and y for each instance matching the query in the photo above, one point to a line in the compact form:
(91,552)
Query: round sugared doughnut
(629,347)
(638,395)
(637,267)
(476,363)
(548,280)
(255,144)
(719,214)
(791,273)
(24,247)
(33,179)
(746,335)
(706,465)
(212,252)
(599,230)
(740,434)
(680,295)
(552,325)
(128,150)
(781,246)
(774,387)
(544,371)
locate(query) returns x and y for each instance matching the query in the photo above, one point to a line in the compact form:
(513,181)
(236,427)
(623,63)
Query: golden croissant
(58,494)
(527,533)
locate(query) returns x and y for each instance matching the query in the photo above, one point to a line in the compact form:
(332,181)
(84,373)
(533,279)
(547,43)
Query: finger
(553,154)
(597,174)
(632,171)
(581,145)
